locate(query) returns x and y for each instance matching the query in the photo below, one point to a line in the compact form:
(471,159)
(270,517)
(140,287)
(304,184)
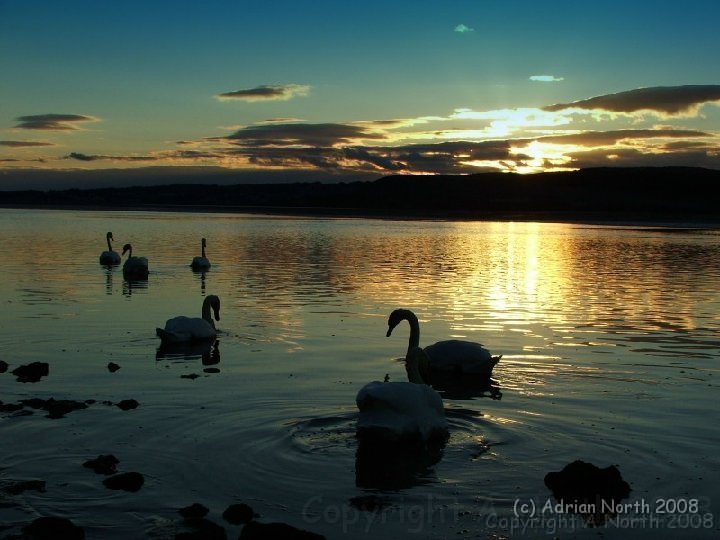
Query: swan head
(203,242)
(109,236)
(396,317)
(127,248)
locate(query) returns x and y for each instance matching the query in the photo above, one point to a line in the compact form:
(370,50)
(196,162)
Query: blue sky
(373,87)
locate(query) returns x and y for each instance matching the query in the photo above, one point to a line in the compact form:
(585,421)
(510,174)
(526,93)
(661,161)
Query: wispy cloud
(664,100)
(463,29)
(24,144)
(53,122)
(301,134)
(546,78)
(267,93)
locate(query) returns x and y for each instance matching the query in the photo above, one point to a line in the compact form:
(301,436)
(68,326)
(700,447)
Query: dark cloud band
(52,122)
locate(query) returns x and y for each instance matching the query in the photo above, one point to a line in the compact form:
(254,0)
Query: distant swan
(186,329)
(452,356)
(402,411)
(109,257)
(201,263)
(134,267)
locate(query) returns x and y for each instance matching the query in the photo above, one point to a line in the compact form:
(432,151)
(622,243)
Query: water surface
(609,337)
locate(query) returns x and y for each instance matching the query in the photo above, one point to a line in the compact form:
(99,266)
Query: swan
(402,411)
(187,329)
(109,257)
(452,356)
(134,267)
(201,263)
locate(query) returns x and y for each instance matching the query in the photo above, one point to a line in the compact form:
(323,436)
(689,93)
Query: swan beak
(389,332)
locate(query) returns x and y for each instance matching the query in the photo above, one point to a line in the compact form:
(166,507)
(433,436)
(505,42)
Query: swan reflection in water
(207,351)
(465,388)
(401,429)
(133,285)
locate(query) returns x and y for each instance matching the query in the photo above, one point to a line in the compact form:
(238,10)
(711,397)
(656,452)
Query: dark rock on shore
(3,366)
(127,404)
(26,485)
(113,367)
(194,511)
(588,488)
(32,372)
(130,481)
(103,464)
(238,514)
(53,528)
(56,408)
(262,531)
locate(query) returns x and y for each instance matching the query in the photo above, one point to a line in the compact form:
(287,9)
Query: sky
(366,87)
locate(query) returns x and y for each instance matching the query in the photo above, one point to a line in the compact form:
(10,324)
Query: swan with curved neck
(109,257)
(201,263)
(402,411)
(134,267)
(188,329)
(451,356)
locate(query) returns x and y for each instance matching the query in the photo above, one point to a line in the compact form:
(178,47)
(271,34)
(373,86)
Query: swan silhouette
(399,412)
(201,263)
(109,257)
(134,267)
(188,329)
(451,357)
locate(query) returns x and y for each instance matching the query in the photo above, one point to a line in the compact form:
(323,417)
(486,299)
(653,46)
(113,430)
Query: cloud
(546,78)
(24,144)
(300,134)
(53,122)
(267,93)
(604,138)
(664,100)
(463,29)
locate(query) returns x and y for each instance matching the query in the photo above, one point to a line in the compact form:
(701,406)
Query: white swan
(134,267)
(201,263)
(109,257)
(452,356)
(402,411)
(186,329)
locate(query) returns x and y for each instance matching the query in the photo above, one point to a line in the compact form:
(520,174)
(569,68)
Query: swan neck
(414,340)
(206,314)
(412,365)
(109,236)
(203,250)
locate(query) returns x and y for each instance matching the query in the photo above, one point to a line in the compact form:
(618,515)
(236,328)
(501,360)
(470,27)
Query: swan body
(188,329)
(402,411)
(201,263)
(452,356)
(134,267)
(109,257)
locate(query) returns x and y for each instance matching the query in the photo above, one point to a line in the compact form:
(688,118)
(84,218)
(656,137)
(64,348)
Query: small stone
(113,367)
(238,514)
(32,372)
(195,510)
(103,464)
(130,481)
(53,528)
(3,366)
(127,404)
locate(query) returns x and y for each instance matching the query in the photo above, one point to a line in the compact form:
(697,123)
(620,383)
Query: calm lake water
(609,335)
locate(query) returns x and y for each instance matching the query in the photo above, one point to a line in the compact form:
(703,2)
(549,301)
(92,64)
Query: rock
(195,510)
(586,487)
(263,531)
(3,366)
(130,481)
(53,528)
(113,367)
(56,408)
(32,372)
(238,514)
(127,404)
(25,485)
(103,464)
(190,376)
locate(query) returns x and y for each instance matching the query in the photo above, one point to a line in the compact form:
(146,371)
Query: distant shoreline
(683,197)
(679,222)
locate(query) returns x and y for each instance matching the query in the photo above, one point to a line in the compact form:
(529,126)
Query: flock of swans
(388,411)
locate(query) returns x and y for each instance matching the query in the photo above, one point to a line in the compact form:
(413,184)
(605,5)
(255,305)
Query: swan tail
(165,336)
